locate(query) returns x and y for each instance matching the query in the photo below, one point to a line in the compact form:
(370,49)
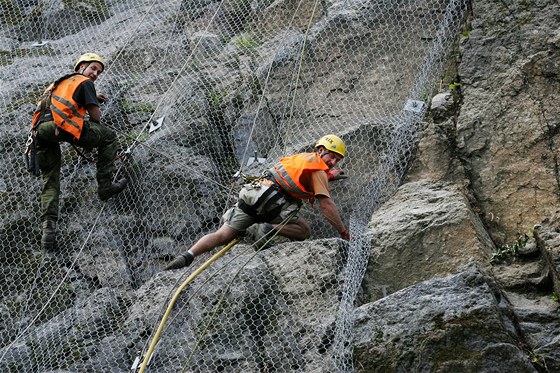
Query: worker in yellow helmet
(277,196)
(69,111)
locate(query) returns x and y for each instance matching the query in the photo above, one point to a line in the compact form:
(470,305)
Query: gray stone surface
(507,128)
(483,175)
(458,323)
(427,229)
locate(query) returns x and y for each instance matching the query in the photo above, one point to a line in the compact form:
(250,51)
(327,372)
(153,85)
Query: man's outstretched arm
(330,211)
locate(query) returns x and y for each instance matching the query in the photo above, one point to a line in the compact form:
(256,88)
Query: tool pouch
(30,156)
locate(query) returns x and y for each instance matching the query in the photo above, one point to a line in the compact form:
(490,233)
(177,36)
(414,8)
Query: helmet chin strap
(323,153)
(81,71)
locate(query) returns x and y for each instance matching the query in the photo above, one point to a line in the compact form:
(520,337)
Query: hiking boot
(107,188)
(48,239)
(183,260)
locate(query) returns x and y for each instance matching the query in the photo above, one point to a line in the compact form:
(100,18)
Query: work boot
(107,188)
(183,260)
(48,239)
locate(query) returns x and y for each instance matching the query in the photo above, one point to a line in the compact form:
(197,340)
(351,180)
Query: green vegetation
(15,368)
(509,250)
(131,107)
(454,85)
(23,99)
(89,7)
(451,66)
(7,57)
(537,359)
(217,97)
(246,42)
(11,14)
(425,95)
(140,138)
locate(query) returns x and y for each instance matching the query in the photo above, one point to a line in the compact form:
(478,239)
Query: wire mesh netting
(200,92)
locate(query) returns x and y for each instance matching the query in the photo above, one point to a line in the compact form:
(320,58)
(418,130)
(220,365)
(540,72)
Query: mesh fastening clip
(415,106)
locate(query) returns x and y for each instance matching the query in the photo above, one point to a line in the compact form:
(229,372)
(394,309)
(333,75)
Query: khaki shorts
(237,219)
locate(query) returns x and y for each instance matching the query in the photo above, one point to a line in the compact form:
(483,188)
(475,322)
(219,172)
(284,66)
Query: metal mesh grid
(196,90)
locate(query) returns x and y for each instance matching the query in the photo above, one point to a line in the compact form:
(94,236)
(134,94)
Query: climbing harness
(42,114)
(32,161)
(269,204)
(30,154)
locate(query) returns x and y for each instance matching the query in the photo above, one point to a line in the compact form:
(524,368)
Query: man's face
(91,69)
(330,158)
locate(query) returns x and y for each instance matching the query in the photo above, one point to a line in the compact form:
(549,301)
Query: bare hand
(101,97)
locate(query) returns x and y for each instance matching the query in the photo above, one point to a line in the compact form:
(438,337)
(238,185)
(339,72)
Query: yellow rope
(176,296)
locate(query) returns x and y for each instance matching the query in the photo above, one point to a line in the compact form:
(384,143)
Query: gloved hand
(345,235)
(336,175)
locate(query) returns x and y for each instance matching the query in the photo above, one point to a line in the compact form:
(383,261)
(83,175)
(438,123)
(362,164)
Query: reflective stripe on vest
(66,112)
(288,172)
(58,101)
(43,106)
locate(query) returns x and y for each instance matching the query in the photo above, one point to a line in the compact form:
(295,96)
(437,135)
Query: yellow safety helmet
(333,144)
(89,57)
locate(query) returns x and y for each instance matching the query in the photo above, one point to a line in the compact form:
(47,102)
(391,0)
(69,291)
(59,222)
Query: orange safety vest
(288,172)
(58,99)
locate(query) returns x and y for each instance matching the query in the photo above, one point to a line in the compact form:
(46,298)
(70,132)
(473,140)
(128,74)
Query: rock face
(499,151)
(457,280)
(459,323)
(507,130)
(239,338)
(416,235)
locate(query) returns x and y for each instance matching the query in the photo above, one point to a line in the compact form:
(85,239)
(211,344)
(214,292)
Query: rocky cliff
(463,269)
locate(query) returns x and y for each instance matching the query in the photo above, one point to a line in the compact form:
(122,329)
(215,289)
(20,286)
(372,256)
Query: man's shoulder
(321,174)
(86,85)
(320,183)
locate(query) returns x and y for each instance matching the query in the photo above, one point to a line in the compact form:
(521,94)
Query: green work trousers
(49,137)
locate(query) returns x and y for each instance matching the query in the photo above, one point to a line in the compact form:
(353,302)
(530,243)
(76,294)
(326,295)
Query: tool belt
(274,195)
(30,154)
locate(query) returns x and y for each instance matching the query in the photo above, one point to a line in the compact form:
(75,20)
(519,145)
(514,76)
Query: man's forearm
(331,213)
(94,113)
